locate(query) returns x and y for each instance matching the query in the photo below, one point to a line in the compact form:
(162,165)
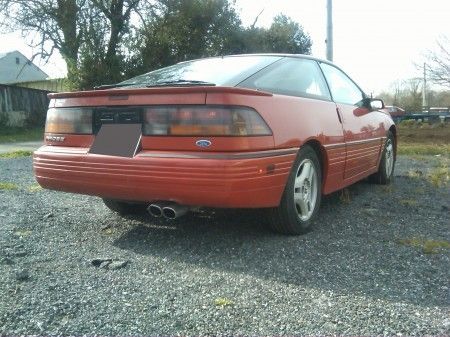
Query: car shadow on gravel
(351,250)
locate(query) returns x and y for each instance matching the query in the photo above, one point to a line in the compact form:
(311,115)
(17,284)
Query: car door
(362,135)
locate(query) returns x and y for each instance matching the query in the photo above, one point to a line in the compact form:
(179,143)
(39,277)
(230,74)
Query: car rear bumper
(230,180)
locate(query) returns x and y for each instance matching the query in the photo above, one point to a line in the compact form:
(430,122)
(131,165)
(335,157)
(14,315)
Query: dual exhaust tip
(167,210)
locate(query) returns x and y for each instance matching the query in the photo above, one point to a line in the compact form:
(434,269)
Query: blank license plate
(120,140)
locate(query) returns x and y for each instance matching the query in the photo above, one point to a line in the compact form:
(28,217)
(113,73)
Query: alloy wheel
(305,189)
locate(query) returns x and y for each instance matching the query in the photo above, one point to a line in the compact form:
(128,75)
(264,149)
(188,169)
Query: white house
(16,68)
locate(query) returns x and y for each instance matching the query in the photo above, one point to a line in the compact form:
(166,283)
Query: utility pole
(424,88)
(329,40)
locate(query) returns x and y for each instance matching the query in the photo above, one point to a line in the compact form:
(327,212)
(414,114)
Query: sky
(377,42)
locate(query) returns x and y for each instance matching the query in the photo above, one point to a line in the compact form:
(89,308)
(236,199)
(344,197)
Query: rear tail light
(203,121)
(169,120)
(69,120)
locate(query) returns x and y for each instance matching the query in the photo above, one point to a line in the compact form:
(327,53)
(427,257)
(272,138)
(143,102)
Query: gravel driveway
(70,266)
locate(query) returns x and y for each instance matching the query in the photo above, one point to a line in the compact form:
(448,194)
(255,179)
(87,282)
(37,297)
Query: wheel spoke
(306,168)
(308,204)
(303,207)
(298,183)
(297,197)
(389,158)
(305,189)
(310,173)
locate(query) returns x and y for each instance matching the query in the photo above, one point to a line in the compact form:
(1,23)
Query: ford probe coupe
(247,131)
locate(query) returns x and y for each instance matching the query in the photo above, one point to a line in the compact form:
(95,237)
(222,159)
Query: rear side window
(343,89)
(291,76)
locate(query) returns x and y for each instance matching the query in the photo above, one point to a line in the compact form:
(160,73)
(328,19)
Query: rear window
(225,71)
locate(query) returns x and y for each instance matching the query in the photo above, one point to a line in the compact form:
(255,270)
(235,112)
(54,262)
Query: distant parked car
(394,111)
(247,131)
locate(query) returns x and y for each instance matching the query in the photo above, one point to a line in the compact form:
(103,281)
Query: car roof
(265,54)
(302,56)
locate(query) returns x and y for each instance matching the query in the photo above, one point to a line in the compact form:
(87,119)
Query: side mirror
(376,104)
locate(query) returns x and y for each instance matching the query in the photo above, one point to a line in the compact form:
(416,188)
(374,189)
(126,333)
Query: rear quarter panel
(295,121)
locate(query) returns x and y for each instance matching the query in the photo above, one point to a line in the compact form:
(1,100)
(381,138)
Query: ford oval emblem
(203,143)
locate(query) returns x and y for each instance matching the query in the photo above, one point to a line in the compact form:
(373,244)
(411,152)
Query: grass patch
(223,302)
(423,133)
(23,232)
(108,231)
(35,188)
(440,176)
(16,154)
(408,202)
(427,246)
(345,196)
(415,173)
(415,149)
(387,188)
(8,186)
(419,190)
(12,135)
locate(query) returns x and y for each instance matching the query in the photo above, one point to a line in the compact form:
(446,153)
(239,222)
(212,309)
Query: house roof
(19,72)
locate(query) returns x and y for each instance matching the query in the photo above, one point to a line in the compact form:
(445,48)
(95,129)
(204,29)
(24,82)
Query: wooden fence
(22,107)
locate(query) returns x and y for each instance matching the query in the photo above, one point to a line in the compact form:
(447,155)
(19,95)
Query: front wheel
(386,169)
(301,198)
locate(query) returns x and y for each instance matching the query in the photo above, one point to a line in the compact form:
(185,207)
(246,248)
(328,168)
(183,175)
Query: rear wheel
(123,207)
(387,163)
(301,198)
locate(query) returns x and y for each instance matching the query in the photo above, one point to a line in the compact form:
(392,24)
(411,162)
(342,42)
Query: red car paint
(248,172)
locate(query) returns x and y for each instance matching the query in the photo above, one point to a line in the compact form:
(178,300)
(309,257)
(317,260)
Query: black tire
(289,217)
(125,208)
(385,172)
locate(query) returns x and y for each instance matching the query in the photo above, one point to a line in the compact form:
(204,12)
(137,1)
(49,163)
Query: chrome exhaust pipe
(173,211)
(155,210)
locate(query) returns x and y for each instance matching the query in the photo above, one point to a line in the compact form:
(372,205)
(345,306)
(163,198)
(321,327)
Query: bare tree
(57,24)
(439,63)
(68,25)
(406,94)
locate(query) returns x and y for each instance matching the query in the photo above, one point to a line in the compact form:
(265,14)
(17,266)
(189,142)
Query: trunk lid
(127,106)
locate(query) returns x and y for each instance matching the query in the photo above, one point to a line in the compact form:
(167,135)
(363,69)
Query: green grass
(13,135)
(408,202)
(345,196)
(34,188)
(423,149)
(439,176)
(8,186)
(16,154)
(223,302)
(427,246)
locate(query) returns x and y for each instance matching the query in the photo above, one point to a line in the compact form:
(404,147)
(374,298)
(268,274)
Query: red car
(394,111)
(247,131)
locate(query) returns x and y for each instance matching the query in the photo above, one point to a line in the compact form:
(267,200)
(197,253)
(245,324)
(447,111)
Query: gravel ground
(217,272)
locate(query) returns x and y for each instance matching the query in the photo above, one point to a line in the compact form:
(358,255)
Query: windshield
(225,71)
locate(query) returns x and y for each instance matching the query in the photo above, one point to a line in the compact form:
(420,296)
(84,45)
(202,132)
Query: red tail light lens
(69,120)
(203,121)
